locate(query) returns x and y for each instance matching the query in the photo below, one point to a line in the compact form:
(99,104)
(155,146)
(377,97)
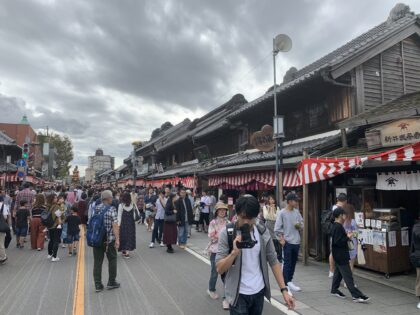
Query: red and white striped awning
(189,182)
(409,152)
(314,170)
(290,179)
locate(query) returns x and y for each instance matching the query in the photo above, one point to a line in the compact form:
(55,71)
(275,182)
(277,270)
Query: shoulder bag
(136,213)
(4,227)
(170,218)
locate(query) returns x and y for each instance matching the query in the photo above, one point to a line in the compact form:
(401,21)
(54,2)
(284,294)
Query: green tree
(64,152)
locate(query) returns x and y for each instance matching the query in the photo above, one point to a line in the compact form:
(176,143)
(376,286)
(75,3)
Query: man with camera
(244,251)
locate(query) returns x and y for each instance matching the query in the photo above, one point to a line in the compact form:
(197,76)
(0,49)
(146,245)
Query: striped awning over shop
(409,152)
(314,170)
(13,178)
(290,179)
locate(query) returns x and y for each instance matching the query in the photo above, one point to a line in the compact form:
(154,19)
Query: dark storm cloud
(108,72)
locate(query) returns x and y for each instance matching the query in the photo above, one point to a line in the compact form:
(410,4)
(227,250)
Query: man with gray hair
(110,245)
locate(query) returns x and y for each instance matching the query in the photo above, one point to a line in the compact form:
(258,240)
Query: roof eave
(342,66)
(363,121)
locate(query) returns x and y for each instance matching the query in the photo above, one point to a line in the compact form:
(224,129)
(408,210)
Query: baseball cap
(342,197)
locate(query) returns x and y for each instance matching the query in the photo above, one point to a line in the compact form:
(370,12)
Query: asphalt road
(152,282)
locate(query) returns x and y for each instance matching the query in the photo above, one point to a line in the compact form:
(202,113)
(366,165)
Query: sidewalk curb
(364,275)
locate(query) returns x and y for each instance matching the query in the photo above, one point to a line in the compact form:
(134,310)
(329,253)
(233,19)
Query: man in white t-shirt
(205,212)
(246,270)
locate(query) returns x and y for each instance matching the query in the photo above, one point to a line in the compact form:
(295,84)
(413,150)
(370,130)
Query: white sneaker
(49,256)
(213,295)
(152,245)
(293,287)
(55,259)
(161,244)
(330,274)
(63,246)
(225,304)
(418,305)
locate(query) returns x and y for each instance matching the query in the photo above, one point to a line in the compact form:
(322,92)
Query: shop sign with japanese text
(263,139)
(397,133)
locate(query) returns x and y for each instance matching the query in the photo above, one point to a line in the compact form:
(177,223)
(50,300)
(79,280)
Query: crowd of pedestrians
(244,239)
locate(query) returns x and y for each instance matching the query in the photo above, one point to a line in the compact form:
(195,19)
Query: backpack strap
(261,228)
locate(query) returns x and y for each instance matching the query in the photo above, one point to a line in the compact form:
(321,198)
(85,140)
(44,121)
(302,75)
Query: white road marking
(274,302)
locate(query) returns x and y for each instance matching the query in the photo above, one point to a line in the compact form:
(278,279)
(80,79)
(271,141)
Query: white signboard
(360,219)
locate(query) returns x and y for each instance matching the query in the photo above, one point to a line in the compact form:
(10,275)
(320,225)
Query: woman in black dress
(170,231)
(126,214)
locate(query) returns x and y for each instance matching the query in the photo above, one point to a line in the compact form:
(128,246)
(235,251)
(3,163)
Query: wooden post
(305,219)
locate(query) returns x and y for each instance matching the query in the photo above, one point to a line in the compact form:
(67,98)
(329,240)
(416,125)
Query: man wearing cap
(110,246)
(341,203)
(289,223)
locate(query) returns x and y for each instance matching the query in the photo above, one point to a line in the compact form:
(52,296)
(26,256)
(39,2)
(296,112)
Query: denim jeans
(157,230)
(249,304)
(290,252)
(213,273)
(183,233)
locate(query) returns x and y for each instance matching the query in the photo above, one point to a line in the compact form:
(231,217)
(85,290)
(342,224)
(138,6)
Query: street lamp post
(281,43)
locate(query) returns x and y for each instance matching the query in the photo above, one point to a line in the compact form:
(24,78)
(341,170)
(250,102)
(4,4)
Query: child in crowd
(22,223)
(73,231)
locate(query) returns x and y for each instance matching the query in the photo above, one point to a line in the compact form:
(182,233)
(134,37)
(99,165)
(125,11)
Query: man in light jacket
(246,280)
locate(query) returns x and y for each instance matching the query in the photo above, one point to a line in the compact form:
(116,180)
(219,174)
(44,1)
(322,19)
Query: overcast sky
(109,72)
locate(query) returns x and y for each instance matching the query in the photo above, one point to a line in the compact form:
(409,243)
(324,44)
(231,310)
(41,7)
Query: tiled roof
(167,135)
(173,171)
(340,55)
(10,168)
(404,106)
(290,150)
(360,150)
(210,122)
(121,168)
(6,140)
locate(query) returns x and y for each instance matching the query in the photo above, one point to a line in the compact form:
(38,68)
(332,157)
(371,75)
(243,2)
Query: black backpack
(47,218)
(327,220)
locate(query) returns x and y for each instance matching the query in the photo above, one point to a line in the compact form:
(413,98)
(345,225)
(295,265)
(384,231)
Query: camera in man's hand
(247,241)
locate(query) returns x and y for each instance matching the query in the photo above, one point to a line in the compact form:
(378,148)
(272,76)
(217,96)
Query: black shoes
(338,294)
(114,285)
(99,288)
(170,250)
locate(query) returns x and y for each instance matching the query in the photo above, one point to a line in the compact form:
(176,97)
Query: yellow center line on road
(79,286)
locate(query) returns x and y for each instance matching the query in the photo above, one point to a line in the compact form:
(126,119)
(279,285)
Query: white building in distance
(100,162)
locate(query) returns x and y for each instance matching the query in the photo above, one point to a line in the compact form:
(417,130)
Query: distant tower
(24,120)
(99,152)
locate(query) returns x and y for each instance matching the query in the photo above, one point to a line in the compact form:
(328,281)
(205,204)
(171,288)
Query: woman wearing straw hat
(215,227)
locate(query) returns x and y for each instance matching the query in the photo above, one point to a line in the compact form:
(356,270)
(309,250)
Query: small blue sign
(20,174)
(21,163)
